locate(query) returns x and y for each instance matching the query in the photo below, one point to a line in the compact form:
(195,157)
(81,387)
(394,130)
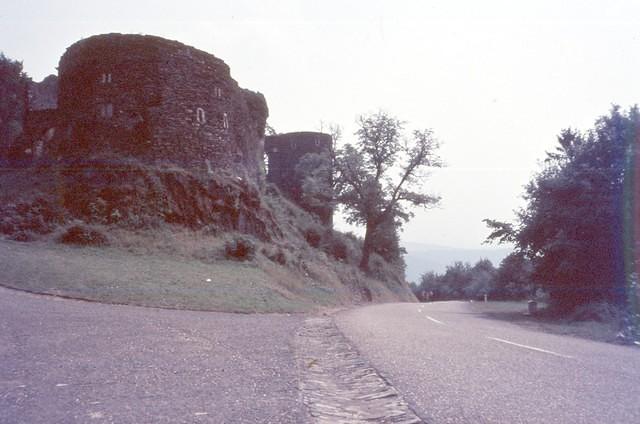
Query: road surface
(453,366)
(66,361)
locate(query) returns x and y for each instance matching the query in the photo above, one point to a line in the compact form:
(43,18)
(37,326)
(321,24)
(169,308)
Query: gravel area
(66,361)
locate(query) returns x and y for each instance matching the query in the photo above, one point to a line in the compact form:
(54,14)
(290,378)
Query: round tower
(159,101)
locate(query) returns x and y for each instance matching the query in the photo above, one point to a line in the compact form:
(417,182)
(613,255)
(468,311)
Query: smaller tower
(284,153)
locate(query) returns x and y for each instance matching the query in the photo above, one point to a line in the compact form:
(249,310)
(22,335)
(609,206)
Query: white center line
(537,349)
(434,320)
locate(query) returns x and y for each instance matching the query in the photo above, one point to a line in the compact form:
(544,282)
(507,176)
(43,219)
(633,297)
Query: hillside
(167,237)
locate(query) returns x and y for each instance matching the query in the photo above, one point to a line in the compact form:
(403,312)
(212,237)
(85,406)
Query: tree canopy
(13,101)
(379,179)
(578,224)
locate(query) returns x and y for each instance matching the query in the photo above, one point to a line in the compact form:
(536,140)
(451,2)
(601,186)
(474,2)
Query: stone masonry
(156,100)
(284,152)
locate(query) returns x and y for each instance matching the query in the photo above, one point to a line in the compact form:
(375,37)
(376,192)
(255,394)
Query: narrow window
(105,110)
(106,78)
(225,121)
(219,92)
(209,168)
(200,116)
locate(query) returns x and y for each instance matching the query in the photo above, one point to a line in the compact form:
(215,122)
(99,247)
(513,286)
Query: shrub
(84,236)
(279,257)
(343,247)
(240,248)
(313,235)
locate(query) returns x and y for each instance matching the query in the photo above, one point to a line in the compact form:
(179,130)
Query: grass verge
(111,275)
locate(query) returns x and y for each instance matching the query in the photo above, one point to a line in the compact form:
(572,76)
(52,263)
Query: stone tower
(158,101)
(284,153)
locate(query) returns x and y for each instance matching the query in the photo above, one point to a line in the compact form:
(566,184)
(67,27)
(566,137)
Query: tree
(314,170)
(379,177)
(578,225)
(13,101)
(513,279)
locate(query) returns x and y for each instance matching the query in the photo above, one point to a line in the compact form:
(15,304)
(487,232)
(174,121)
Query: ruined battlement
(160,101)
(284,153)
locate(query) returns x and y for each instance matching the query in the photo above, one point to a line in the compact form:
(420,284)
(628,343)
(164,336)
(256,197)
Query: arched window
(225,120)
(200,116)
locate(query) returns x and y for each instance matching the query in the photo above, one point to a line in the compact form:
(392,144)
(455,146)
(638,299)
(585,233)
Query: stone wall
(159,101)
(44,94)
(284,152)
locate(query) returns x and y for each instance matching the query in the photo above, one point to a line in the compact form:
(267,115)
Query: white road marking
(434,320)
(537,349)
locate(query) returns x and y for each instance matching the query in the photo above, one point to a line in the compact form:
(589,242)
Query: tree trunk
(367,246)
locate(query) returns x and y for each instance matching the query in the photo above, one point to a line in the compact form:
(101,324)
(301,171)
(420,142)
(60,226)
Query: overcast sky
(495,80)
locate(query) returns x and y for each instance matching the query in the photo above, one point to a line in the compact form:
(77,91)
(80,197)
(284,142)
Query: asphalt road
(454,366)
(65,361)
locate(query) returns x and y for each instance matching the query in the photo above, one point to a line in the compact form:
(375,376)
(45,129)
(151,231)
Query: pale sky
(495,80)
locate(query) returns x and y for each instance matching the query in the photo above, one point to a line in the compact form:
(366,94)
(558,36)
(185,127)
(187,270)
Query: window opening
(106,78)
(225,121)
(106,110)
(200,115)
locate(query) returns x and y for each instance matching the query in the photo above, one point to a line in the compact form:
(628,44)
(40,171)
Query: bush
(240,248)
(313,236)
(343,247)
(83,236)
(279,257)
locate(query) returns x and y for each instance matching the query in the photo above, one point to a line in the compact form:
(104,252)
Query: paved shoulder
(453,366)
(70,361)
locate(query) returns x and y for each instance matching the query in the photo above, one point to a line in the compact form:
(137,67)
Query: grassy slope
(115,276)
(168,266)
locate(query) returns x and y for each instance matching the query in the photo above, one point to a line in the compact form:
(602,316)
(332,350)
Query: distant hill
(421,258)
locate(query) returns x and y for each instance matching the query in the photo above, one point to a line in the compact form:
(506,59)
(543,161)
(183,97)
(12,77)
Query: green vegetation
(579,227)
(13,102)
(367,186)
(155,236)
(462,281)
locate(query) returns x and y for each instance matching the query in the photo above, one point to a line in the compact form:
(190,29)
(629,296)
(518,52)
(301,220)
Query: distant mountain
(421,258)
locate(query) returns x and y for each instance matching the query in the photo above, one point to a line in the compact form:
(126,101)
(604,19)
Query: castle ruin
(123,96)
(153,99)
(285,152)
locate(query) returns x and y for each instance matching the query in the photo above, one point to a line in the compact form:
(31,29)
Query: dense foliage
(578,224)
(378,179)
(463,281)
(13,101)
